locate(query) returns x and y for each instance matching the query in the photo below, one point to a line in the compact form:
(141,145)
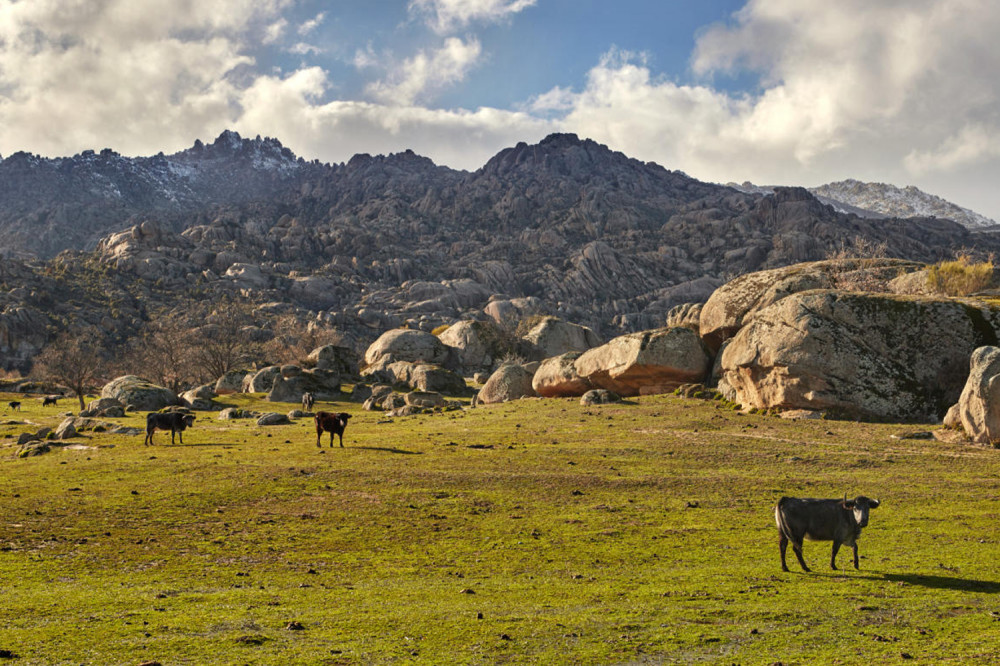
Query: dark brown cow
(175,422)
(834,520)
(50,400)
(15,405)
(331,423)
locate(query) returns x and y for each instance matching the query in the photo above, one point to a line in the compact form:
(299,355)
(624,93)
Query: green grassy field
(532,532)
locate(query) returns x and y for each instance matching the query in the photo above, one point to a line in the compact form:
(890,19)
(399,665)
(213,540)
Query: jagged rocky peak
(406,159)
(230,144)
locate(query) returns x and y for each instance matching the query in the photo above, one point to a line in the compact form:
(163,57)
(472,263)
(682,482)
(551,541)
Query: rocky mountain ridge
(879,200)
(565,227)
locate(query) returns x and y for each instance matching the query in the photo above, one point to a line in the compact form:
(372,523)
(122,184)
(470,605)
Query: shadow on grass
(387,450)
(178,445)
(934,582)
(945,582)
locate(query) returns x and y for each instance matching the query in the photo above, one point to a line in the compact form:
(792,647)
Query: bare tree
(75,360)
(294,339)
(225,342)
(162,353)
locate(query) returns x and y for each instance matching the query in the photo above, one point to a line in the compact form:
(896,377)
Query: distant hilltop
(877,200)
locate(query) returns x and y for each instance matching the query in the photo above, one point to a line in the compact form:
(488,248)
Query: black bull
(834,520)
(175,422)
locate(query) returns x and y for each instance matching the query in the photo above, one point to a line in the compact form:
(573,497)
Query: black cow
(175,422)
(14,405)
(834,520)
(308,400)
(331,423)
(49,400)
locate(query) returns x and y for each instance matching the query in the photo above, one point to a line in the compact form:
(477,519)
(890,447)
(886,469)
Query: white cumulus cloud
(446,16)
(427,72)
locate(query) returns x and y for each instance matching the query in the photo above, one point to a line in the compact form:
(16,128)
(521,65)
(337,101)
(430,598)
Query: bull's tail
(779,519)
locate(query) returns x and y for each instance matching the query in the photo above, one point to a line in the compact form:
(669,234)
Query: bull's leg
(331,439)
(797,547)
(149,438)
(180,435)
(341,436)
(856,556)
(783,546)
(319,436)
(833,556)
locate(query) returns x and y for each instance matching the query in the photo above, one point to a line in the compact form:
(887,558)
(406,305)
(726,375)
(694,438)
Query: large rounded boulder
(734,302)
(553,337)
(262,380)
(557,377)
(475,343)
(978,408)
(231,382)
(138,394)
(509,382)
(436,379)
(334,357)
(876,356)
(323,384)
(655,361)
(403,344)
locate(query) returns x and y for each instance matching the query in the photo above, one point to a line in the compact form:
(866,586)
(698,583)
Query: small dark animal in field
(834,520)
(308,400)
(331,423)
(49,400)
(14,405)
(175,422)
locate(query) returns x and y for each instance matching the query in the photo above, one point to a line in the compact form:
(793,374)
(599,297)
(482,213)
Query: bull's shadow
(945,582)
(387,449)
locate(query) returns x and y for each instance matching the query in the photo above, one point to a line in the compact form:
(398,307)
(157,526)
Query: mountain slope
(892,201)
(879,200)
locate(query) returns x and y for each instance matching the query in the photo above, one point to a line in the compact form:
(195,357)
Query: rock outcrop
(557,377)
(407,345)
(510,382)
(475,342)
(978,408)
(323,384)
(732,303)
(139,395)
(655,361)
(858,355)
(337,358)
(553,337)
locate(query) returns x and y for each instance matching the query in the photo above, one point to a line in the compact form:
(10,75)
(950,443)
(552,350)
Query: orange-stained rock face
(659,361)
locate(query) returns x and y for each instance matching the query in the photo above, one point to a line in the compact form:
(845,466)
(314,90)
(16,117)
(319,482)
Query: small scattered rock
(920,434)
(294,625)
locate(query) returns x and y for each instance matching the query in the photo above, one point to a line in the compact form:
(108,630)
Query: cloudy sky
(772,91)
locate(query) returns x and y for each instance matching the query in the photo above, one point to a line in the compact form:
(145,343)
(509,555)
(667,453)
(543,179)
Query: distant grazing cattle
(331,423)
(14,405)
(308,400)
(834,520)
(49,400)
(175,422)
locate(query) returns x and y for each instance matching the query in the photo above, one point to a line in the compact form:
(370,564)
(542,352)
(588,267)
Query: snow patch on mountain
(875,200)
